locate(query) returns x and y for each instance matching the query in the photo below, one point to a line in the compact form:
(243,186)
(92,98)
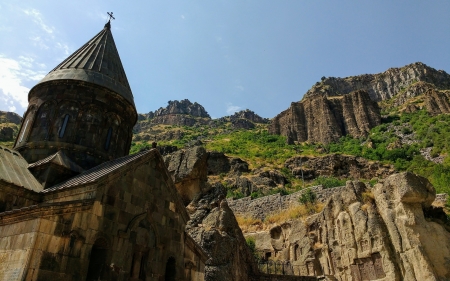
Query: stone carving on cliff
(364,233)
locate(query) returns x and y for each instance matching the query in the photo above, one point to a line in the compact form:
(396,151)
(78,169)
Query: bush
(307,197)
(328,182)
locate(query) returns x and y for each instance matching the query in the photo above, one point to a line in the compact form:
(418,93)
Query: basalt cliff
(336,107)
(326,119)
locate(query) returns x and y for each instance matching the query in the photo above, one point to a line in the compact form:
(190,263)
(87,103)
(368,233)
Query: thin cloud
(239,87)
(64,47)
(182,17)
(232,108)
(37,18)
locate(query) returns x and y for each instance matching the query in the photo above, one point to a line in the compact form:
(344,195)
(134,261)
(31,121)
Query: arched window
(170,270)
(62,130)
(40,128)
(108,139)
(97,260)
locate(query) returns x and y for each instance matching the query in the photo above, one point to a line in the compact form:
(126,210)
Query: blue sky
(225,55)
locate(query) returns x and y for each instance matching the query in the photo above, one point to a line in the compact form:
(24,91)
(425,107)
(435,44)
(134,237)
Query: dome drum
(92,124)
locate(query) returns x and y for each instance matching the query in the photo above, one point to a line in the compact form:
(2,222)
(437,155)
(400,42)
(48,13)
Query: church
(73,204)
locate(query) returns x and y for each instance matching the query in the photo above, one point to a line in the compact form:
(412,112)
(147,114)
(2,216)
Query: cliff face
(321,119)
(384,85)
(382,233)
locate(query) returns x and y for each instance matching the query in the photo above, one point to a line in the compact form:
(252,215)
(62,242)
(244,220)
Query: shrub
(328,182)
(308,197)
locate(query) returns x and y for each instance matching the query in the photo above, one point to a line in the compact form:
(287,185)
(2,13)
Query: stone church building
(73,204)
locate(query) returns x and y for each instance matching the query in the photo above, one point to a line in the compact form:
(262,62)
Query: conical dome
(96,62)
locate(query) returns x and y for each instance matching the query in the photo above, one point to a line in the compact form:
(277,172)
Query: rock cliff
(325,119)
(338,165)
(382,86)
(386,232)
(214,227)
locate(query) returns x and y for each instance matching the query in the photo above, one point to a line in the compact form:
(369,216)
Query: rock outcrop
(363,233)
(180,113)
(325,120)
(214,227)
(382,86)
(244,119)
(337,165)
(188,169)
(437,102)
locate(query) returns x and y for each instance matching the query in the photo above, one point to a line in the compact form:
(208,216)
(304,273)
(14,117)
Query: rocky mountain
(181,113)
(244,119)
(382,86)
(325,119)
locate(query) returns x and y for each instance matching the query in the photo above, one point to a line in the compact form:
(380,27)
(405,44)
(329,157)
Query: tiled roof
(97,62)
(14,169)
(59,158)
(99,171)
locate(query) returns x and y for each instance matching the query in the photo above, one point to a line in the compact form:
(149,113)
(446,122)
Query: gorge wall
(326,119)
(380,233)
(382,86)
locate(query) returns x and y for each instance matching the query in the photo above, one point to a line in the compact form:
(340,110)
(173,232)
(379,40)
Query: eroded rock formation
(214,227)
(322,119)
(367,234)
(382,86)
(337,165)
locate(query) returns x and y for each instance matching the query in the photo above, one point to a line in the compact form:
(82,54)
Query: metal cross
(111,15)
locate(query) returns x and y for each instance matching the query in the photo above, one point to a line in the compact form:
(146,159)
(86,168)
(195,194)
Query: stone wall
(262,207)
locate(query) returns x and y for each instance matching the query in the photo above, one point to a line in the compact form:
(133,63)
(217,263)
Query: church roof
(96,62)
(14,170)
(98,172)
(59,158)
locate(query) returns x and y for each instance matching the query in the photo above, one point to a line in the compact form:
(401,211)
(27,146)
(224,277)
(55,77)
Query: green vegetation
(308,197)
(258,147)
(328,182)
(384,145)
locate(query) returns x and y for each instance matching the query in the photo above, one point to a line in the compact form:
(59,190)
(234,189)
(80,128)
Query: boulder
(188,168)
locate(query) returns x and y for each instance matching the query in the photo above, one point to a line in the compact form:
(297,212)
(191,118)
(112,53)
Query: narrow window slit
(108,138)
(64,125)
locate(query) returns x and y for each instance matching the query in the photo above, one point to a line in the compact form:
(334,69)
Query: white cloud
(239,87)
(232,108)
(39,42)
(64,47)
(37,18)
(13,75)
(182,17)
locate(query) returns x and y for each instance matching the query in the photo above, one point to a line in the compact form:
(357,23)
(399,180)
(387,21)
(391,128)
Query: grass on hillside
(258,147)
